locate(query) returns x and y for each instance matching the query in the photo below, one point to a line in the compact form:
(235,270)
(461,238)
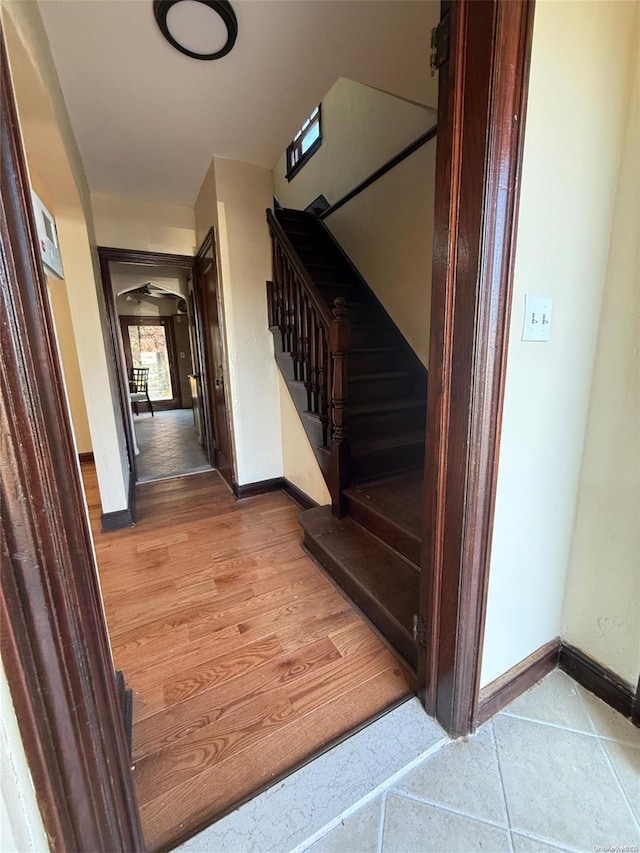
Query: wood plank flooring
(243,658)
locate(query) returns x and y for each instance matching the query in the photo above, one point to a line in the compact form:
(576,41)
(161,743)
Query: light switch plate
(537,318)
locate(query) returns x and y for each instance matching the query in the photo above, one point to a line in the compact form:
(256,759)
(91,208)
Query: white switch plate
(537,318)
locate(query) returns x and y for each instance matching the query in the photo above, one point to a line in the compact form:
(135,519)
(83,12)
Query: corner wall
(575,124)
(233,199)
(601,613)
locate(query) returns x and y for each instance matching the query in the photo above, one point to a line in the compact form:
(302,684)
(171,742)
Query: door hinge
(439,45)
(420,631)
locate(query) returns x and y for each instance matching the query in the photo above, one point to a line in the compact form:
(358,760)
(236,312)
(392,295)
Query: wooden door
(214,387)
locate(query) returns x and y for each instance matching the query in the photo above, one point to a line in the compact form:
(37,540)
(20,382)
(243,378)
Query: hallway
(168,445)
(244,659)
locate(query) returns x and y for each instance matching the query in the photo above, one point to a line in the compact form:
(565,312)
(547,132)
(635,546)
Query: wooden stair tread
(399,499)
(383,583)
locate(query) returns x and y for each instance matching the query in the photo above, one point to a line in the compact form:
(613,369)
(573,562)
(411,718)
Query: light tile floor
(168,445)
(557,770)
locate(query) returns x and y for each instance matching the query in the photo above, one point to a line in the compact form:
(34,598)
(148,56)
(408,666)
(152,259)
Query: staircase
(360,392)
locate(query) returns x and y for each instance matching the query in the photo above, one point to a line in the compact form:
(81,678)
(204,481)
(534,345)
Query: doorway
(161,315)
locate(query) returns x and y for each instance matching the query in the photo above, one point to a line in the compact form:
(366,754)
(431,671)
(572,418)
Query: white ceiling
(148,119)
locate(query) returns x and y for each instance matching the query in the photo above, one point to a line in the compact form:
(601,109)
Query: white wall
(601,612)
(126,223)
(362,128)
(575,122)
(233,198)
(21,828)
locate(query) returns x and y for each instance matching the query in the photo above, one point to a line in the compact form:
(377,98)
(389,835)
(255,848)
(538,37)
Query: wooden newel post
(339,346)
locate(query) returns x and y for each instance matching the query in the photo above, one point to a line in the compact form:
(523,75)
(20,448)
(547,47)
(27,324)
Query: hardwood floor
(244,659)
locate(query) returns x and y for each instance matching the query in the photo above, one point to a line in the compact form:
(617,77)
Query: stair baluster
(339,345)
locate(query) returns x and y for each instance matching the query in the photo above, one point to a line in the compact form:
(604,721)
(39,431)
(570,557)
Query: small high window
(305,143)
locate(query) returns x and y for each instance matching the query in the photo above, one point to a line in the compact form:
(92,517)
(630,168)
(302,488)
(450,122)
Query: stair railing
(318,339)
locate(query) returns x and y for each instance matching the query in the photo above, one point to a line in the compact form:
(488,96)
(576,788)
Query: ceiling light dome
(184,26)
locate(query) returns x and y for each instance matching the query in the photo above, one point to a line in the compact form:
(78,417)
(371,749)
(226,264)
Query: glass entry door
(148,342)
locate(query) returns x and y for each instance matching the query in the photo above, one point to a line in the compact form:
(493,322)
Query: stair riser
(372,362)
(378,525)
(301,226)
(317,254)
(375,391)
(368,605)
(332,275)
(371,336)
(386,424)
(382,463)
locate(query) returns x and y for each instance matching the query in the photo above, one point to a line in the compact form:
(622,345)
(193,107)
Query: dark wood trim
(598,679)
(276,484)
(635,711)
(110,521)
(299,497)
(85,458)
(261,487)
(481,112)
(125,699)
(55,646)
(155,259)
(497,695)
(386,167)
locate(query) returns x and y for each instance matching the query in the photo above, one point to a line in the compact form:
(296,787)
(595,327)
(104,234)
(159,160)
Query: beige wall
(70,367)
(300,465)
(53,156)
(126,223)
(575,125)
(601,612)
(361,129)
(387,231)
(233,199)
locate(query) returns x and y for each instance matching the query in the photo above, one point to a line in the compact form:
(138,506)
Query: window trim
(292,171)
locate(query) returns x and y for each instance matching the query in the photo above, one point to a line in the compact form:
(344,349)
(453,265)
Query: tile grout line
(382,787)
(542,840)
(547,723)
(458,812)
(496,754)
(636,818)
(383,817)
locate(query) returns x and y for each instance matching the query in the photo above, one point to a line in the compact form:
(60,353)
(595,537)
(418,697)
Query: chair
(139,388)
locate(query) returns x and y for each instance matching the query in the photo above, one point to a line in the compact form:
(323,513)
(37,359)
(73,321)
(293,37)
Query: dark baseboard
(110,521)
(250,490)
(497,695)
(600,681)
(125,699)
(277,484)
(298,496)
(85,457)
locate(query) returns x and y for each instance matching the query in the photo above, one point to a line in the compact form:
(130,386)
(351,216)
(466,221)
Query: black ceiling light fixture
(161,9)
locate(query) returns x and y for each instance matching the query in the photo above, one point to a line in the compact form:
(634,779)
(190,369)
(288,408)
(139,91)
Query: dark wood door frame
(172,355)
(108,255)
(55,647)
(204,314)
(482,91)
